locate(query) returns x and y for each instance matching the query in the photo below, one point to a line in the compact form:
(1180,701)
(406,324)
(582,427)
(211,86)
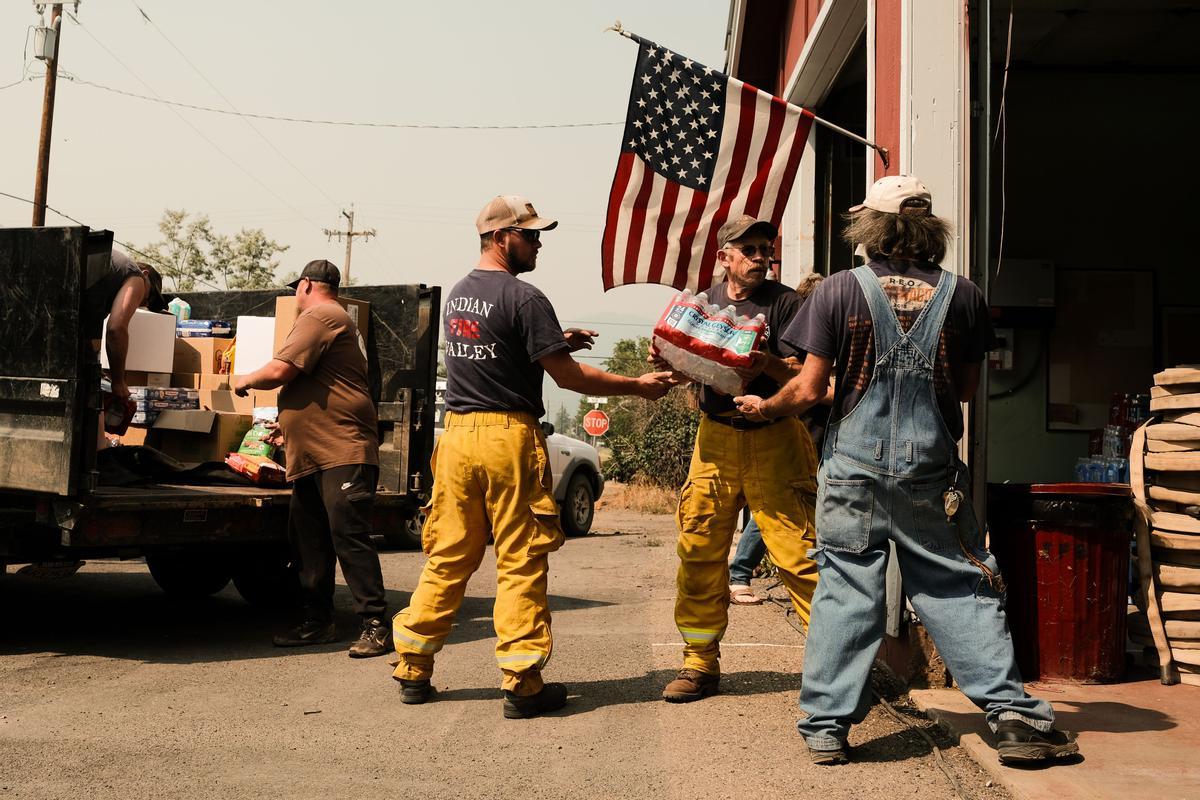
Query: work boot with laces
(375,639)
(1019,742)
(689,685)
(413,693)
(552,697)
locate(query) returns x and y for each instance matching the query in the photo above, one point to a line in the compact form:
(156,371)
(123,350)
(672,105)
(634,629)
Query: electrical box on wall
(1002,357)
(1022,293)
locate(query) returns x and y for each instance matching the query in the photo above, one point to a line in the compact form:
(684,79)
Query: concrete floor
(1138,739)
(110,690)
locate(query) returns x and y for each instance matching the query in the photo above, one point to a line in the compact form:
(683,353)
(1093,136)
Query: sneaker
(375,639)
(310,632)
(413,693)
(1019,742)
(552,697)
(830,758)
(690,685)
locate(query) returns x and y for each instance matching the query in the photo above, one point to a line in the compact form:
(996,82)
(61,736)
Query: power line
(188,122)
(126,245)
(334,122)
(229,102)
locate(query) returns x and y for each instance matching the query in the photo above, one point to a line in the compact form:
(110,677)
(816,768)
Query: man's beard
(520,267)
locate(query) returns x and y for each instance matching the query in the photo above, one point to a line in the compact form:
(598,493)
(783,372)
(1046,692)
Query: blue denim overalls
(884,470)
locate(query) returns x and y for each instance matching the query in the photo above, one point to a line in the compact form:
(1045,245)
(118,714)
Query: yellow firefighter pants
(491,479)
(773,469)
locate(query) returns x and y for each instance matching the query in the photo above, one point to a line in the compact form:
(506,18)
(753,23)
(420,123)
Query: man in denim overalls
(908,339)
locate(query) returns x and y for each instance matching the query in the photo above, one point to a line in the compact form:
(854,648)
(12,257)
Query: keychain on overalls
(952,498)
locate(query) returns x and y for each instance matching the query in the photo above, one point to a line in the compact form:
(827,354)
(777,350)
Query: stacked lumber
(1165,473)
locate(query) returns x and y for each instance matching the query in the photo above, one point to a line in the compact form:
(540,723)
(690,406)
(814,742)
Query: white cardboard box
(151,342)
(255,344)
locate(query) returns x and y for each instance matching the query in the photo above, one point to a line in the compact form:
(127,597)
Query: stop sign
(595,422)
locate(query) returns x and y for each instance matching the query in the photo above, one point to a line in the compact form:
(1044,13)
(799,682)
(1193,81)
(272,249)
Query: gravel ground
(110,690)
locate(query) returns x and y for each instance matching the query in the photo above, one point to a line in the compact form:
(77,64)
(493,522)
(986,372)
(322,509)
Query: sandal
(743,596)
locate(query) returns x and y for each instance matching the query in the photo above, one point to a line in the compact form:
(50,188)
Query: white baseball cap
(892,193)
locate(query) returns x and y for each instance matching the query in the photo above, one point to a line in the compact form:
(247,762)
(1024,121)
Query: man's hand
(751,407)
(580,338)
(241,385)
(275,439)
(758,362)
(655,358)
(120,390)
(654,385)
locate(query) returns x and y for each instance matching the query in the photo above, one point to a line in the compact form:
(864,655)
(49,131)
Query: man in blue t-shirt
(491,469)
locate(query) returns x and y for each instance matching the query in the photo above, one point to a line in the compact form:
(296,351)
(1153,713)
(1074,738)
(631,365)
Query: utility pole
(43,159)
(349,233)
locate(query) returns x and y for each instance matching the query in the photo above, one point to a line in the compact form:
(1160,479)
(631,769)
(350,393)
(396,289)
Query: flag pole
(882,151)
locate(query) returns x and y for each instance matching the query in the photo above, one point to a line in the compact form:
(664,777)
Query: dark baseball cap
(322,271)
(738,227)
(156,301)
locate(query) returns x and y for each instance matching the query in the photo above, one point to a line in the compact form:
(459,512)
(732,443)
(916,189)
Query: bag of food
(255,443)
(259,469)
(707,343)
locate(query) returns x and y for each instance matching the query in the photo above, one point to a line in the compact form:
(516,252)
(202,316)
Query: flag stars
(695,164)
(712,134)
(688,149)
(658,149)
(674,76)
(708,155)
(652,94)
(715,108)
(687,63)
(675,159)
(674,120)
(701,179)
(641,102)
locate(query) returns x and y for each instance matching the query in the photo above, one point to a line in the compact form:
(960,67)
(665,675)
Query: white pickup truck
(578,481)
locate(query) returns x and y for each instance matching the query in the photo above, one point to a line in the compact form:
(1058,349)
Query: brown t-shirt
(326,412)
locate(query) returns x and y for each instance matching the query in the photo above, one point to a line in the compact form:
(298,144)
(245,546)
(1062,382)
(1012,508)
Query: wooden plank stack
(1164,466)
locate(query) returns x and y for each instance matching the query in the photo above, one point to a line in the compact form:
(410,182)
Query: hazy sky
(117,162)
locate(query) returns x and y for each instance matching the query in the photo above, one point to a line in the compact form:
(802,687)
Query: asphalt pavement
(109,689)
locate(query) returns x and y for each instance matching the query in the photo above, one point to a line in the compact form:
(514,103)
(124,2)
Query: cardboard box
(158,380)
(199,380)
(151,342)
(200,355)
(224,400)
(200,436)
(255,344)
(139,436)
(265,398)
(286,313)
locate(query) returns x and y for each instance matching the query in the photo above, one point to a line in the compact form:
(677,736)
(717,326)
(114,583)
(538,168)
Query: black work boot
(375,639)
(552,697)
(312,631)
(413,693)
(1019,742)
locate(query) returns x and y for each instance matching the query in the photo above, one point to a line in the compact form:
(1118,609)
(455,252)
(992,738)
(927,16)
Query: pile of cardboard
(1165,474)
(186,369)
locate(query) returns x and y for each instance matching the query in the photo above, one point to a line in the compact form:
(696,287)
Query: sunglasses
(750,250)
(526,234)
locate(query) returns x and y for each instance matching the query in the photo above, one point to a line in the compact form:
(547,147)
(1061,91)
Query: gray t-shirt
(496,327)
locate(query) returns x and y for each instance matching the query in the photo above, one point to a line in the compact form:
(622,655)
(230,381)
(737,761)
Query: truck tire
(408,537)
(188,575)
(578,506)
(268,581)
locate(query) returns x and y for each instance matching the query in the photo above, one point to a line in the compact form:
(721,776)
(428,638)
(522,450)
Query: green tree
(564,423)
(191,255)
(651,442)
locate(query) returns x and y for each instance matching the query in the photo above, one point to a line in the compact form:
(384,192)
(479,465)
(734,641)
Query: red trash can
(1063,549)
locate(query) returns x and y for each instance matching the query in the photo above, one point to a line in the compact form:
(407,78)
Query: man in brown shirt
(331,440)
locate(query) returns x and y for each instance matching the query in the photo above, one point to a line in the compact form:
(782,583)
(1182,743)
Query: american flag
(699,148)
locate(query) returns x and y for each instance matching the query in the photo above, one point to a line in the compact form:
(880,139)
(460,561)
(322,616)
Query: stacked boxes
(151,400)
(1165,473)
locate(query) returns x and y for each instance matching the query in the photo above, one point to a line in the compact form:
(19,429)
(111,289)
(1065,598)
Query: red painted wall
(801,14)
(887,82)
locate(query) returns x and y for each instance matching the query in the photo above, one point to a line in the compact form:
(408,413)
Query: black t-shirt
(836,323)
(776,302)
(496,328)
(98,298)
